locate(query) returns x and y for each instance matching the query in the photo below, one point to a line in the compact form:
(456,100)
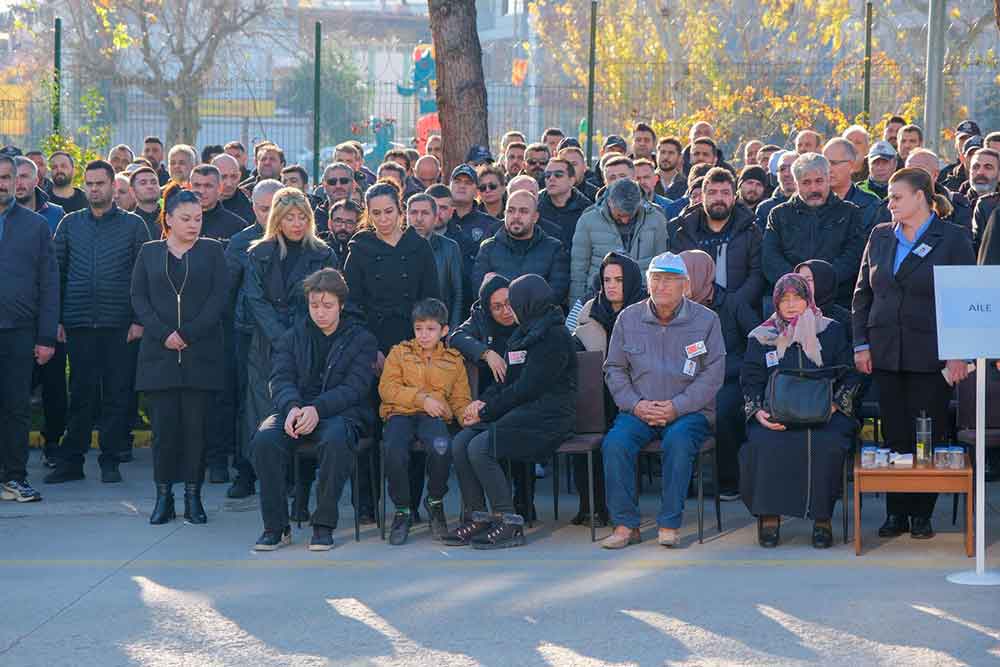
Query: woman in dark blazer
(180,287)
(895,328)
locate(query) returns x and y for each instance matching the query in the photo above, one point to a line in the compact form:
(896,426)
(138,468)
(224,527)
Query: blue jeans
(681,441)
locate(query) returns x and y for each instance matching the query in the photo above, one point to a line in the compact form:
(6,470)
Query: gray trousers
(480,475)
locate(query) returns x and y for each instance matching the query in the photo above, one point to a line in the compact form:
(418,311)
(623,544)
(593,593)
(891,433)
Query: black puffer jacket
(737,319)
(221,224)
(832,231)
(543,255)
(347,378)
(564,217)
(744,277)
(96,257)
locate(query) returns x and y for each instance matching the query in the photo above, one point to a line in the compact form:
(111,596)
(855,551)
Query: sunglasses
(536,163)
(554,174)
(489,186)
(338,181)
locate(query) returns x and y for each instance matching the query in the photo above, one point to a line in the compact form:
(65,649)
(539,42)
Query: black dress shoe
(110,474)
(921,528)
(218,474)
(64,473)
(768,536)
(894,526)
(194,511)
(582,518)
(822,537)
(164,509)
(242,487)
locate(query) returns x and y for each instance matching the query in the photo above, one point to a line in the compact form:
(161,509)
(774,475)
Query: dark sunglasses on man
(554,174)
(483,187)
(343,180)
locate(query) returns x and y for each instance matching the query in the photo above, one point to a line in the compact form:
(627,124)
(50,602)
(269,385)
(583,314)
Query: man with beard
(520,247)
(725,229)
(670,182)
(120,157)
(232,197)
(987,162)
(560,202)
(814,224)
(442,197)
(64,194)
(469,226)
(891,131)
(238,261)
(645,176)
(513,159)
(344,216)
(750,152)
(216,222)
(536,157)
(29,315)
(882,164)
(30,195)
(839,152)
(146,191)
(152,150)
(752,184)
(238,152)
(784,191)
(44,182)
(181,159)
(269,160)
(98,245)
(338,183)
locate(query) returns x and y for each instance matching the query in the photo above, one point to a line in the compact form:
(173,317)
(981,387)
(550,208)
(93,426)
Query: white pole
(980,577)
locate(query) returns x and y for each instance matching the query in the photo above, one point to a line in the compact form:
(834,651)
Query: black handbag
(801,396)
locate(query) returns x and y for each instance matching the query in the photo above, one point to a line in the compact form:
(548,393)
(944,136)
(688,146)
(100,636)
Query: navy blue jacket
(52,213)
(29,291)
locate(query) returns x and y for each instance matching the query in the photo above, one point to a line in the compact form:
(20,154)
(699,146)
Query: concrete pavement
(87,581)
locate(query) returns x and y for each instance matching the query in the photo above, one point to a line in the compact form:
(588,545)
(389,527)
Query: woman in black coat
(785,469)
(737,319)
(482,339)
(279,262)
(180,287)
(895,328)
(525,418)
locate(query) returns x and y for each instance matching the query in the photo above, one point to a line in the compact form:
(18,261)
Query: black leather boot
(164,509)
(194,511)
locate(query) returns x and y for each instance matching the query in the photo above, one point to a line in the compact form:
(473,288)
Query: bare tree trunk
(183,118)
(461,89)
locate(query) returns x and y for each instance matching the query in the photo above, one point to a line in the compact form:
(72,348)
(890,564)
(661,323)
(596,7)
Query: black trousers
(902,396)
(220,427)
(17,359)
(730,433)
(398,434)
(101,374)
(241,349)
(178,417)
(271,451)
(52,378)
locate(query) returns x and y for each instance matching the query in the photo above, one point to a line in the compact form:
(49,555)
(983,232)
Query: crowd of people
(439,315)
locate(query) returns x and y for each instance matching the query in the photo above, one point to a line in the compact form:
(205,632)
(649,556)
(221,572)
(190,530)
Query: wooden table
(913,479)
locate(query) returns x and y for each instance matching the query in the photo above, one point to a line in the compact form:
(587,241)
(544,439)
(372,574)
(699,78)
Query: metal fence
(255,110)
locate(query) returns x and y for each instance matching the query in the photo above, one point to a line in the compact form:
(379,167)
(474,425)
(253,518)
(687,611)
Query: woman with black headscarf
(737,318)
(786,469)
(525,417)
(618,284)
(822,278)
(482,339)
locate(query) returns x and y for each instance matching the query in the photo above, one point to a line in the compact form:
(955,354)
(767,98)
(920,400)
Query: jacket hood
(491,285)
(692,217)
(530,297)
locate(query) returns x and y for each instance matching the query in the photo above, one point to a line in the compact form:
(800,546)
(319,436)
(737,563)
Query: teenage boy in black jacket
(321,380)
(29,315)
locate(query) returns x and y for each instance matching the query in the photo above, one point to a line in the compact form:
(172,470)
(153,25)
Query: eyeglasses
(338,181)
(554,174)
(483,187)
(500,307)
(536,163)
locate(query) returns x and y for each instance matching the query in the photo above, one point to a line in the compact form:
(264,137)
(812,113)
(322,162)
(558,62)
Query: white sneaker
(19,491)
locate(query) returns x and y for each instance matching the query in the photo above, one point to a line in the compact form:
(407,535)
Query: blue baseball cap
(668,262)
(465,170)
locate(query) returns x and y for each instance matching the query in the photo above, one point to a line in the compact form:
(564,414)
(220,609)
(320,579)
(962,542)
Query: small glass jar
(956,458)
(882,458)
(942,457)
(868,455)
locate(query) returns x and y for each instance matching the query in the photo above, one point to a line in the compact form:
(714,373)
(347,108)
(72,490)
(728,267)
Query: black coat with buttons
(386,281)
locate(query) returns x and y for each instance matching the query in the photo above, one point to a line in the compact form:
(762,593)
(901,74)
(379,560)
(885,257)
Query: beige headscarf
(701,273)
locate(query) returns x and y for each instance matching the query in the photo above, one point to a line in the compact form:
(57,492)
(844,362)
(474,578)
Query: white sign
(968,311)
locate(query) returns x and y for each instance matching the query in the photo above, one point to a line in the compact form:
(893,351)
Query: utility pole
(933,83)
(590,81)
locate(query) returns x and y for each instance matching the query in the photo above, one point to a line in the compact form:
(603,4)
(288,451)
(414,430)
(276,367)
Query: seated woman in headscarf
(618,284)
(822,278)
(737,318)
(788,470)
(524,418)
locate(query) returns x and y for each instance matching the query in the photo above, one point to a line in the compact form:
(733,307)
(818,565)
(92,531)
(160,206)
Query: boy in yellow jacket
(423,388)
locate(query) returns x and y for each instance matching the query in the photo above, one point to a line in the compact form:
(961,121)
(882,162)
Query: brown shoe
(668,537)
(621,538)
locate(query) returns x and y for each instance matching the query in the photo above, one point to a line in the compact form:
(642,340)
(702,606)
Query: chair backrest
(590,392)
(472,370)
(967,399)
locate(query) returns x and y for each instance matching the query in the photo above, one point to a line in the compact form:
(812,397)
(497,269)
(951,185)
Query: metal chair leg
(381,490)
(954,509)
(372,481)
(844,495)
(590,488)
(555,486)
(701,500)
(296,463)
(356,497)
(718,491)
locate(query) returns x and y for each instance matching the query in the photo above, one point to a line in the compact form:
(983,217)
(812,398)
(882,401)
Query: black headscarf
(824,281)
(534,305)
(632,289)
(486,290)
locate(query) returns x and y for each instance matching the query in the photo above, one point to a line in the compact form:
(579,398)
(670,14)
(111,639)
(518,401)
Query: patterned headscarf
(804,329)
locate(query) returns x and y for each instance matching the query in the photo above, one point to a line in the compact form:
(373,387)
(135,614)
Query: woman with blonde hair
(279,262)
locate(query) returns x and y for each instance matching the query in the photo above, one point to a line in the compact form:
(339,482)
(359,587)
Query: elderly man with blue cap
(665,364)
